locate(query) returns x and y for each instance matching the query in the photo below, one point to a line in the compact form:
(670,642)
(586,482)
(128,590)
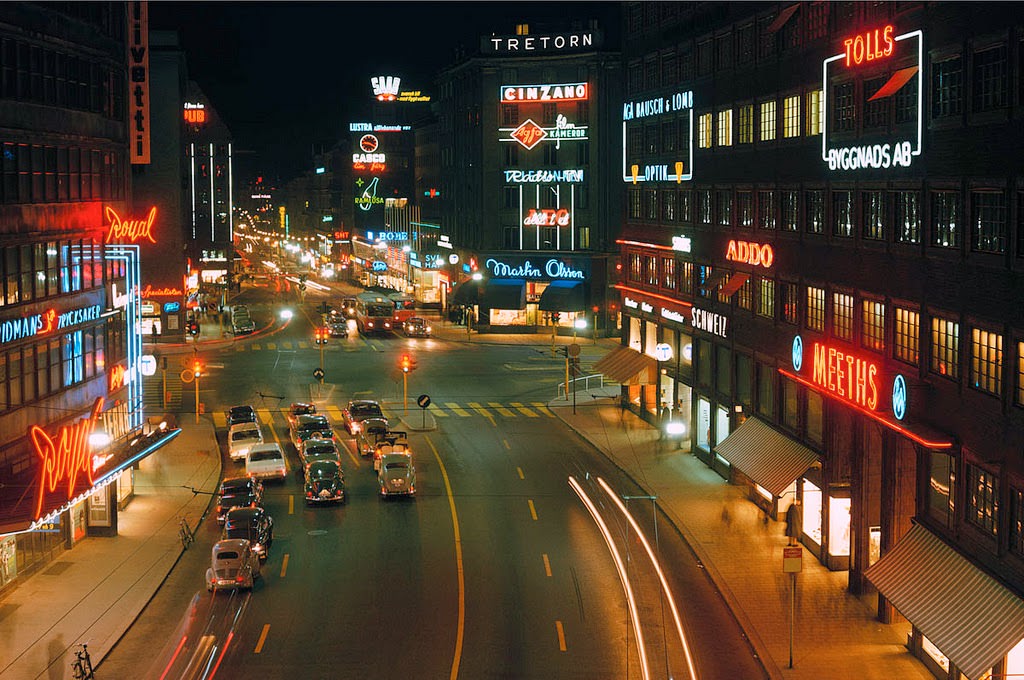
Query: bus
(374,313)
(404,308)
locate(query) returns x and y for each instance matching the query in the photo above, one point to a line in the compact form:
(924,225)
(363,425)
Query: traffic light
(193,328)
(320,336)
(407,363)
(197,368)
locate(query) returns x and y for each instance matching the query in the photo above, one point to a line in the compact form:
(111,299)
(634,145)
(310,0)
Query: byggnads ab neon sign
(872,49)
(65,461)
(127,230)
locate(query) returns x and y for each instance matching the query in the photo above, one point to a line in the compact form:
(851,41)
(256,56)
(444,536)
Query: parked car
(241,438)
(238,492)
(252,524)
(416,327)
(319,449)
(366,436)
(359,410)
(266,461)
(397,475)
(325,483)
(299,409)
(393,441)
(233,564)
(308,425)
(241,414)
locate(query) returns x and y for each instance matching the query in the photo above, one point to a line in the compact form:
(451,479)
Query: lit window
(790,303)
(1017,521)
(988,221)
(745,208)
(815,308)
(745,296)
(842,214)
(982,499)
(766,209)
(946,226)
(872,333)
(668,273)
(766,298)
(813,113)
(791,116)
(725,128)
(873,213)
(986,361)
(745,126)
(908,217)
(907,336)
(704,131)
(842,315)
(767,121)
(945,347)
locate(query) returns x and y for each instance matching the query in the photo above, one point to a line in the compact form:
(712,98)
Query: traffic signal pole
(405,392)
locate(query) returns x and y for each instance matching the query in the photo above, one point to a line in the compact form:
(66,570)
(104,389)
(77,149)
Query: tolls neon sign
(65,460)
(846,376)
(869,46)
(756,254)
(547,217)
(129,231)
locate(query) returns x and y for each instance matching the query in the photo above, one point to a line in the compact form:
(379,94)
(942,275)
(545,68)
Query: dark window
(723,202)
(685,62)
(842,214)
(876,113)
(908,217)
(815,206)
(905,101)
(766,390)
(723,47)
(651,74)
(745,209)
(705,61)
(704,206)
(946,219)
(745,44)
(766,45)
(636,141)
(873,214)
(668,205)
(990,84)
(634,77)
(651,139)
(845,108)
(790,302)
(635,205)
(650,204)
(766,209)
(817,19)
(790,210)
(988,221)
(668,136)
(947,88)
(669,72)
(685,205)
(510,238)
(1017,522)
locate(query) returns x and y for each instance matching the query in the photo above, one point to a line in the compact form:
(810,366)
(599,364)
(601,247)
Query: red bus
(374,314)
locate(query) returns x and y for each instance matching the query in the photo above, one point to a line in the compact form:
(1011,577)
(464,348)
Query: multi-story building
(825,225)
(528,131)
(70,353)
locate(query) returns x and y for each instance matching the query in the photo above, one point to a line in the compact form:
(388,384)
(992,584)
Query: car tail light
(239,579)
(309,494)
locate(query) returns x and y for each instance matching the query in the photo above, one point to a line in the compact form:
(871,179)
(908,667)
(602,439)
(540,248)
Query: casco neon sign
(129,231)
(65,460)
(547,217)
(869,46)
(846,376)
(756,254)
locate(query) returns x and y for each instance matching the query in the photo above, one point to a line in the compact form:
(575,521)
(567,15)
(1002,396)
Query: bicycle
(81,667)
(185,533)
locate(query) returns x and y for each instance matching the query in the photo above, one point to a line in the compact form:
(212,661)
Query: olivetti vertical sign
(138,82)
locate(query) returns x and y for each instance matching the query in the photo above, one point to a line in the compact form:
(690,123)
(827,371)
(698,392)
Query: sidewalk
(92,593)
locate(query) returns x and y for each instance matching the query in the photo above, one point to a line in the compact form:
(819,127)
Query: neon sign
(368,143)
(756,254)
(651,108)
(547,217)
(539,43)
(899,397)
(129,231)
(878,154)
(388,235)
(45,322)
(149,291)
(116,378)
(682,243)
(571,92)
(385,88)
(529,134)
(65,460)
(709,322)
(573,176)
(195,114)
(846,376)
(379,266)
(552,268)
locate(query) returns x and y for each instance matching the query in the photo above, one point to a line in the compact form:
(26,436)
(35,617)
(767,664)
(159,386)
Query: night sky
(288,77)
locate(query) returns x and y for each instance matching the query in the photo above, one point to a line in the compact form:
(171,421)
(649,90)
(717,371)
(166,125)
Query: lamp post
(663,353)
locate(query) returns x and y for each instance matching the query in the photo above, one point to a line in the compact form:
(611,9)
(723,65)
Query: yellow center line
(348,449)
(458,566)
(561,636)
(547,565)
(284,565)
(507,445)
(520,471)
(291,504)
(263,638)
(533,510)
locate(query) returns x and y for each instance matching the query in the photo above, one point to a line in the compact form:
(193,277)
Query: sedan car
(241,438)
(337,325)
(233,564)
(319,449)
(416,327)
(397,475)
(266,461)
(242,324)
(299,409)
(238,492)
(241,414)
(325,483)
(253,525)
(307,425)
(359,410)
(348,307)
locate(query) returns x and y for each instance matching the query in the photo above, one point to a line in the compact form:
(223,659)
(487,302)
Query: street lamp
(663,353)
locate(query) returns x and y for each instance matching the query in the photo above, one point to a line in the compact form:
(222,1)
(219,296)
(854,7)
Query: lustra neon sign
(846,376)
(66,460)
(129,231)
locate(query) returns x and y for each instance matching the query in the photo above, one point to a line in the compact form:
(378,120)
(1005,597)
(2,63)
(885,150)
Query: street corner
(424,422)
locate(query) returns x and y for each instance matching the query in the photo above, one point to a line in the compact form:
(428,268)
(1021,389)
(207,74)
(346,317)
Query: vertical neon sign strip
(192,173)
(133,326)
(920,82)
(231,202)
(213,200)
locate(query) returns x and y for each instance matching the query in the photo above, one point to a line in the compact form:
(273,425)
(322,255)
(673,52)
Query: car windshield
(323,470)
(235,500)
(265,455)
(317,423)
(318,450)
(245,434)
(240,531)
(397,466)
(365,410)
(227,555)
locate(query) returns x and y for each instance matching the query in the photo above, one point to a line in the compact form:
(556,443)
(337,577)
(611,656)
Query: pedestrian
(793,522)
(726,515)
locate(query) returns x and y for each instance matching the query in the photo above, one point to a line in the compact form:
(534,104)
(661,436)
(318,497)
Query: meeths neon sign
(756,254)
(65,460)
(846,376)
(569,92)
(129,231)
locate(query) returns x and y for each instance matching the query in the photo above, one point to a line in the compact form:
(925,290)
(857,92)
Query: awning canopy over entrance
(966,613)
(503,294)
(627,366)
(563,296)
(465,293)
(767,456)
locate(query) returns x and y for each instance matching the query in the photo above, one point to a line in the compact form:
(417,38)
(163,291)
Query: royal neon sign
(65,460)
(547,217)
(756,254)
(846,376)
(570,92)
(129,231)
(869,46)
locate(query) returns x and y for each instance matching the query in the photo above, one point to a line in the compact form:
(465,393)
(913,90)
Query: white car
(233,564)
(397,475)
(266,461)
(241,438)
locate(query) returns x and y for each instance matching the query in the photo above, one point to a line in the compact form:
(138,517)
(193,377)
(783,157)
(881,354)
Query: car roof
(323,466)
(311,418)
(301,405)
(244,425)
(242,408)
(235,483)
(230,544)
(363,402)
(313,442)
(243,514)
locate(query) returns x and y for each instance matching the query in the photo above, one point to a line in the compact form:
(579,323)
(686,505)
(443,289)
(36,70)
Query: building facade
(823,229)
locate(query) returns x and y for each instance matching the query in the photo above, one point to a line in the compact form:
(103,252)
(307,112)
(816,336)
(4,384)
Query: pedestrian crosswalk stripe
(458,410)
(220,420)
(265,418)
(240,348)
(271,346)
(478,408)
(335,414)
(303,344)
(256,346)
(522,409)
(286,345)
(543,408)
(438,412)
(501,409)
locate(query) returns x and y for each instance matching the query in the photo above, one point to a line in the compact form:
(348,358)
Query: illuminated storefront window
(945,355)
(812,512)
(704,424)
(838,526)
(767,121)
(933,652)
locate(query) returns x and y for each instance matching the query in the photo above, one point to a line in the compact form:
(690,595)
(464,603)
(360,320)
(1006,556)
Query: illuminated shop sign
(379,266)
(532,44)
(571,92)
(172,307)
(368,198)
(368,143)
(547,217)
(378,127)
(164,291)
(116,378)
(709,322)
(387,89)
(195,114)
(371,162)
(387,235)
(529,134)
(868,50)
(266,197)
(682,243)
(573,176)
(65,464)
(127,230)
(46,322)
(846,376)
(550,269)
(673,315)
(756,254)
(444,242)
(899,397)
(138,82)
(642,109)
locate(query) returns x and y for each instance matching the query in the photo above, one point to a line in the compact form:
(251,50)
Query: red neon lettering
(756,254)
(195,116)
(869,46)
(66,459)
(116,378)
(49,321)
(166,291)
(846,376)
(547,217)
(132,230)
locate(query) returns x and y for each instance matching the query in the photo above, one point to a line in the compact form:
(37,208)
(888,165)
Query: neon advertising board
(387,89)
(511,267)
(842,375)
(643,109)
(378,127)
(567,176)
(195,114)
(875,49)
(129,230)
(747,252)
(527,45)
(547,217)
(568,92)
(709,322)
(46,322)
(529,134)
(368,198)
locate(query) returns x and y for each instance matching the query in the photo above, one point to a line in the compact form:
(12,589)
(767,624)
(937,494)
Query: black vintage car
(324,483)
(253,525)
(238,492)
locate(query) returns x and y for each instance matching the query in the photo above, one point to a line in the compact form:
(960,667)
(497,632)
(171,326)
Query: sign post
(792,564)
(423,401)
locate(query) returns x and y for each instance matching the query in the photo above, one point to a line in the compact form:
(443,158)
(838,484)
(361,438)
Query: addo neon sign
(756,254)
(846,376)
(547,217)
(571,92)
(65,460)
(129,231)
(859,51)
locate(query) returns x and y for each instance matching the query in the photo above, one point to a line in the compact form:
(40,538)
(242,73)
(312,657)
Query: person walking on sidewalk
(793,522)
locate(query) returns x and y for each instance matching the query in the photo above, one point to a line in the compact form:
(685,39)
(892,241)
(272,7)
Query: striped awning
(627,366)
(972,618)
(767,456)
